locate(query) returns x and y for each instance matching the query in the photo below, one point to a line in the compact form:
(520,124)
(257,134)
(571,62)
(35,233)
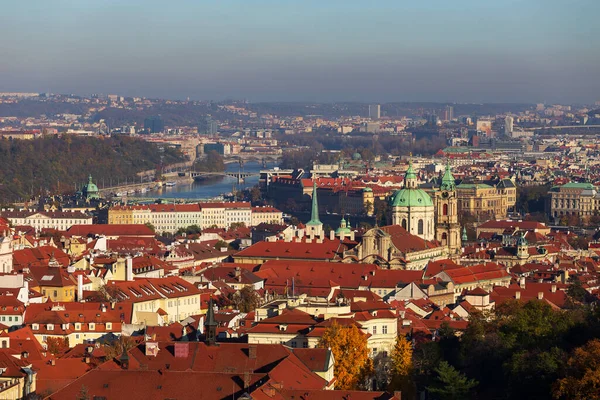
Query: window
(109,325)
(420,227)
(55,294)
(375,330)
(445,209)
(305,345)
(384,329)
(92,326)
(404,223)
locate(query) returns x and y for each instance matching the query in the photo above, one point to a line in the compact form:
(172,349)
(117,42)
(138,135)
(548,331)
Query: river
(211,187)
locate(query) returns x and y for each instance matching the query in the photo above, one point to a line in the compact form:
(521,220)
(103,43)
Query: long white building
(171,217)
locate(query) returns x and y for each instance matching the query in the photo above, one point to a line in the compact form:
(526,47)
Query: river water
(211,187)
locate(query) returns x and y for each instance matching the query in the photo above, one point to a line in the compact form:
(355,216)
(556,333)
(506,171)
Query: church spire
(314,214)
(448,182)
(210,325)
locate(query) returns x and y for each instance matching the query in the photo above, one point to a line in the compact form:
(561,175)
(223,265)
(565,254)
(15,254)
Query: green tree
(150,226)
(212,162)
(83,393)
(450,384)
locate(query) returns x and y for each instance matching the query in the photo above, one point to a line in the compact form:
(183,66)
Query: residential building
(157,301)
(59,220)
(73,321)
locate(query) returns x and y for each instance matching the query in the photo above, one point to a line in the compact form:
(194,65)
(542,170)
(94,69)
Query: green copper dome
(90,191)
(411,198)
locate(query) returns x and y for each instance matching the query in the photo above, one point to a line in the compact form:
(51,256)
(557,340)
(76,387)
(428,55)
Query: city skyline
(465,52)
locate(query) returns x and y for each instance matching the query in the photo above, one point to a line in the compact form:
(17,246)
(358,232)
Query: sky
(305,50)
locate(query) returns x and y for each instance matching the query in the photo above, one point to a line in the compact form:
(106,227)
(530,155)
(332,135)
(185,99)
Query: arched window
(404,223)
(445,209)
(444,237)
(420,227)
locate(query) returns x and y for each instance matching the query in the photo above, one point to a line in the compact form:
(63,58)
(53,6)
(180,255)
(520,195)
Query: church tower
(447,230)
(314,227)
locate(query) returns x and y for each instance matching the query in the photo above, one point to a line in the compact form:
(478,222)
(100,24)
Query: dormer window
(35,327)
(50,327)
(92,326)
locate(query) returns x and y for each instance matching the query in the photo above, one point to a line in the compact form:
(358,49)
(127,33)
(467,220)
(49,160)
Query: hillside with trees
(60,164)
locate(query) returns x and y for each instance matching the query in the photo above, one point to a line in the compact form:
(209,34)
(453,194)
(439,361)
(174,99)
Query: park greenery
(211,162)
(62,164)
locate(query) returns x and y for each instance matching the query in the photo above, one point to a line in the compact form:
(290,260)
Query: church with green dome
(412,208)
(90,190)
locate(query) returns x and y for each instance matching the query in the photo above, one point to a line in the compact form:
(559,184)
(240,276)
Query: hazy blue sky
(321,50)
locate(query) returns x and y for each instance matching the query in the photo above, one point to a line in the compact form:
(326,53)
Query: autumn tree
(245,300)
(57,345)
(402,367)
(351,354)
(115,348)
(451,384)
(583,374)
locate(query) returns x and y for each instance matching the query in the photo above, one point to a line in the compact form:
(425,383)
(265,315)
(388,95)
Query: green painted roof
(367,189)
(576,185)
(411,198)
(473,186)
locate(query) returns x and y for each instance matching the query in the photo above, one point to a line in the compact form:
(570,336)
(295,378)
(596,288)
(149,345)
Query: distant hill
(30,167)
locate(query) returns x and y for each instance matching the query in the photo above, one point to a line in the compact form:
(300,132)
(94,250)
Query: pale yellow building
(486,200)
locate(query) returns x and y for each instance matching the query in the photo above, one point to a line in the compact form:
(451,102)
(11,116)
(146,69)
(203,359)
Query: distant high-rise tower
(154,124)
(374,111)
(448,113)
(508,125)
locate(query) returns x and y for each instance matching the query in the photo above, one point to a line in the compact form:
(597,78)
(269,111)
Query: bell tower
(447,229)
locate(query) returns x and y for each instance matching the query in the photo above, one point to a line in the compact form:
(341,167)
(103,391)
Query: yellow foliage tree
(402,368)
(402,357)
(583,376)
(351,355)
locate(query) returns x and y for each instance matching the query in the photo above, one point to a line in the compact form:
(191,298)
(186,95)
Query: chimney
(553,288)
(80,287)
(26,297)
(540,295)
(252,352)
(517,295)
(522,282)
(129,272)
(246,379)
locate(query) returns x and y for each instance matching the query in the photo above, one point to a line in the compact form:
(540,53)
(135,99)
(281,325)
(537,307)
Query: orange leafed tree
(57,345)
(583,374)
(351,355)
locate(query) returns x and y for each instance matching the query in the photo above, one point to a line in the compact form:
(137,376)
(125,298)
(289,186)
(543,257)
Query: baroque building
(412,208)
